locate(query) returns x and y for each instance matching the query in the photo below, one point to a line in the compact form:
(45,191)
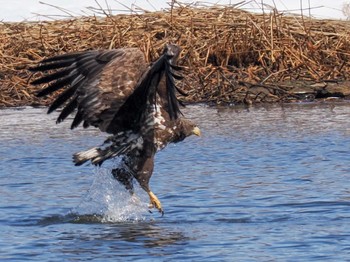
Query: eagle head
(186,128)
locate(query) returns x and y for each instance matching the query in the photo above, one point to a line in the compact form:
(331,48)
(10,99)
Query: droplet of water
(109,200)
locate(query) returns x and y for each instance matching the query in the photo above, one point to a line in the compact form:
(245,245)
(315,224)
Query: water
(262,184)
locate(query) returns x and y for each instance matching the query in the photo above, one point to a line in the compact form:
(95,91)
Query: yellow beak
(196,131)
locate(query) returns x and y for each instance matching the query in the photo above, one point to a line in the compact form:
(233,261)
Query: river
(265,183)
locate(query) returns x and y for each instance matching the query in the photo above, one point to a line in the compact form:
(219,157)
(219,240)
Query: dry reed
(229,55)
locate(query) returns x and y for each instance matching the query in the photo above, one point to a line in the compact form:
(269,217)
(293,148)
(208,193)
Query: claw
(155,203)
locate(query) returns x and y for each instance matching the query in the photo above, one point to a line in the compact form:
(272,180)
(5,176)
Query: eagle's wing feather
(150,85)
(113,90)
(97,83)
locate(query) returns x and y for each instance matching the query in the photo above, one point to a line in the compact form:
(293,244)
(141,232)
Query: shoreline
(287,92)
(229,56)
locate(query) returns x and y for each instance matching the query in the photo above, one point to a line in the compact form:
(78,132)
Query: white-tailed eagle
(122,95)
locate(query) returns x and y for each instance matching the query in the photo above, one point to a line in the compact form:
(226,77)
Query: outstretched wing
(96,83)
(158,79)
(110,88)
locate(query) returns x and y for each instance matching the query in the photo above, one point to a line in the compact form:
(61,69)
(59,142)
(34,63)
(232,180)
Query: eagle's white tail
(119,145)
(83,156)
(98,155)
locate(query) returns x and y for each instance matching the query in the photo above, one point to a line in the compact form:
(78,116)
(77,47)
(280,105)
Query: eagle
(134,102)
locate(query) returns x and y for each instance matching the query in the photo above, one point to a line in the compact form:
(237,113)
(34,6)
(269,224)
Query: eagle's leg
(125,178)
(143,176)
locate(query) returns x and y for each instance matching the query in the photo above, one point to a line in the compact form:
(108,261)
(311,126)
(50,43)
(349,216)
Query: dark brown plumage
(119,93)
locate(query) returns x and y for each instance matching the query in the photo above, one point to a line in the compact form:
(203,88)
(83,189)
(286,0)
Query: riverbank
(230,56)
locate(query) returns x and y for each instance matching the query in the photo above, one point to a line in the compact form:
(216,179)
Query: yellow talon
(155,203)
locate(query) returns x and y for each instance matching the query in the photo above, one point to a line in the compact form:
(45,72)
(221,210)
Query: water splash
(109,200)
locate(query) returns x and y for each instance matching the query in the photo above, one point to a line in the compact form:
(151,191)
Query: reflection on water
(260,185)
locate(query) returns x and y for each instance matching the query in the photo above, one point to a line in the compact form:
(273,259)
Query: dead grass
(230,55)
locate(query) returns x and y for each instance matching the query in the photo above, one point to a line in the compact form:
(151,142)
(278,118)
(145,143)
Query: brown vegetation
(229,55)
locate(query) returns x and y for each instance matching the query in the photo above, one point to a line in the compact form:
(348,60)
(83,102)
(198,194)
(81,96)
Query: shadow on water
(123,238)
(69,218)
(115,235)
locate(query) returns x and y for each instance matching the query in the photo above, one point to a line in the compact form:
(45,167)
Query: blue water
(262,184)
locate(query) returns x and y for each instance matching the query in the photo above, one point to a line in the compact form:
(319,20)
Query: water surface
(262,184)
